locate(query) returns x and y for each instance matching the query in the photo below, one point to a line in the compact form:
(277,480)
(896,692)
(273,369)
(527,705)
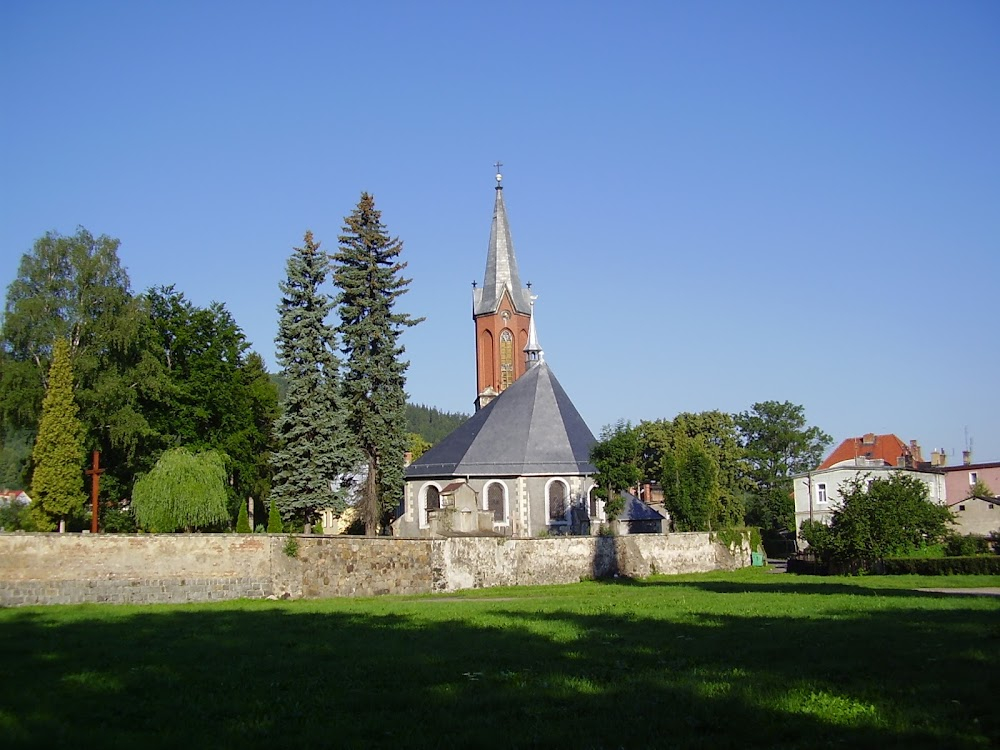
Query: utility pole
(95,472)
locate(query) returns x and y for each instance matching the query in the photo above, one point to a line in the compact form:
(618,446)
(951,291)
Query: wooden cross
(95,487)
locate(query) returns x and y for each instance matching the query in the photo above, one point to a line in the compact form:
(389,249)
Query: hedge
(805,564)
(943,566)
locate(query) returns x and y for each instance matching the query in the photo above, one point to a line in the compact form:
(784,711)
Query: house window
(973,477)
(821,492)
(593,503)
(555,500)
(961,507)
(506,358)
(496,502)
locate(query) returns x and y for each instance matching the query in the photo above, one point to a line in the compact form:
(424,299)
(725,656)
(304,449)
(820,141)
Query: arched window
(555,499)
(496,501)
(593,504)
(430,500)
(506,358)
(433,498)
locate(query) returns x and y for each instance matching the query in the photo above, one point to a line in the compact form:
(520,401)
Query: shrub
(879,518)
(116,520)
(243,521)
(13,516)
(291,547)
(942,566)
(317,528)
(274,523)
(957,545)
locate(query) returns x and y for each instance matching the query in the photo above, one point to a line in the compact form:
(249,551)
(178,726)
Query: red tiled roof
(887,448)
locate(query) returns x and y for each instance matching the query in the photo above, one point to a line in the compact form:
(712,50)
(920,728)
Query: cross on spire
(498,164)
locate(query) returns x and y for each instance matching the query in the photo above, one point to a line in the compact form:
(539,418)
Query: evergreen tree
(367,273)
(243,520)
(75,288)
(274,524)
(57,485)
(311,444)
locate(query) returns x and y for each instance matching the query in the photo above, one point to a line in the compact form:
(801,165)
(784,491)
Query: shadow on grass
(616,671)
(778,585)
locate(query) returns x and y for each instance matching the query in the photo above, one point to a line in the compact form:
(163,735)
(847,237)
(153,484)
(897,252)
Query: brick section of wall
(173,568)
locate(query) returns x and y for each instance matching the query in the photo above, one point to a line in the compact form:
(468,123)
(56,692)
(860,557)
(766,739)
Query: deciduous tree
(72,288)
(714,434)
(369,276)
(57,484)
(880,518)
(617,456)
(778,444)
(185,490)
(691,492)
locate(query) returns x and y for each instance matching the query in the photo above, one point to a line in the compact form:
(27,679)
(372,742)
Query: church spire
(501,264)
(533,353)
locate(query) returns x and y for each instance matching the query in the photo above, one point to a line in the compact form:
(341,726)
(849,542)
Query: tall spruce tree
(368,275)
(57,484)
(311,447)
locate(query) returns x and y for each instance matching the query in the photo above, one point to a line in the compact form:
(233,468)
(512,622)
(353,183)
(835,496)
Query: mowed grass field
(748,659)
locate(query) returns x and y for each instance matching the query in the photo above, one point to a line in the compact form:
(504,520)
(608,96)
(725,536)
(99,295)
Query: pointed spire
(533,353)
(501,264)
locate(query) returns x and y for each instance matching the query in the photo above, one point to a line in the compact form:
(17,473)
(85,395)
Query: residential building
(959,480)
(977,515)
(817,493)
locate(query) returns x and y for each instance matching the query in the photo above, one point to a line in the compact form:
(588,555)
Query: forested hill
(431,424)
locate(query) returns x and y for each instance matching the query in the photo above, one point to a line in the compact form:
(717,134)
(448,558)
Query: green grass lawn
(738,660)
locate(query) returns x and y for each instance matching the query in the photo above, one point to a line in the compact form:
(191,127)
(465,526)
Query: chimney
(966,457)
(916,452)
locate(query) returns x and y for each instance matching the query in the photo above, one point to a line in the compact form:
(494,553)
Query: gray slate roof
(501,268)
(532,428)
(636,510)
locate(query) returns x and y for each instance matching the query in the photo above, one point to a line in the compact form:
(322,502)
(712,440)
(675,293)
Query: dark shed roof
(530,428)
(636,510)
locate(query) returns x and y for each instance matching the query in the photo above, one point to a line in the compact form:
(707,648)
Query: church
(520,466)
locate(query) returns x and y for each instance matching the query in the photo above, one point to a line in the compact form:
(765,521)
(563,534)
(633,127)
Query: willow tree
(185,490)
(369,276)
(58,455)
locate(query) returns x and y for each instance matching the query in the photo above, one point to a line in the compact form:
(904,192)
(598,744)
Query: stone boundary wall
(175,568)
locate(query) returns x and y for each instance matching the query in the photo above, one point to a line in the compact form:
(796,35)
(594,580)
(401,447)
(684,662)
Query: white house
(817,492)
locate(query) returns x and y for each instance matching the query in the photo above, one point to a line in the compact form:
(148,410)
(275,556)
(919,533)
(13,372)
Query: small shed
(638,518)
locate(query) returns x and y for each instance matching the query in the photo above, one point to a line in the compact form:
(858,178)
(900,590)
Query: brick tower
(501,310)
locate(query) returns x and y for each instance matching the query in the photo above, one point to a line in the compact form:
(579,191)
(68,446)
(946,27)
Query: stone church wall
(173,568)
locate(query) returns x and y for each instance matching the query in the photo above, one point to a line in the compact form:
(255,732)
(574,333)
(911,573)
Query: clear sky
(717,203)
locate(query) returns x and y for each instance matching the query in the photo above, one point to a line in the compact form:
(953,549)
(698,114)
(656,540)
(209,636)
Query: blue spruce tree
(311,444)
(367,273)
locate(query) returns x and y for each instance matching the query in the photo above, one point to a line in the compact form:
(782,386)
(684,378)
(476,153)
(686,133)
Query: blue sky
(718,203)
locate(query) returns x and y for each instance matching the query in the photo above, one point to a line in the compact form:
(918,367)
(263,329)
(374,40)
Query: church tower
(501,310)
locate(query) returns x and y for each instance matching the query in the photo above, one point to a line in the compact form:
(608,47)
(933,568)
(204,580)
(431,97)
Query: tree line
(715,470)
(163,387)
